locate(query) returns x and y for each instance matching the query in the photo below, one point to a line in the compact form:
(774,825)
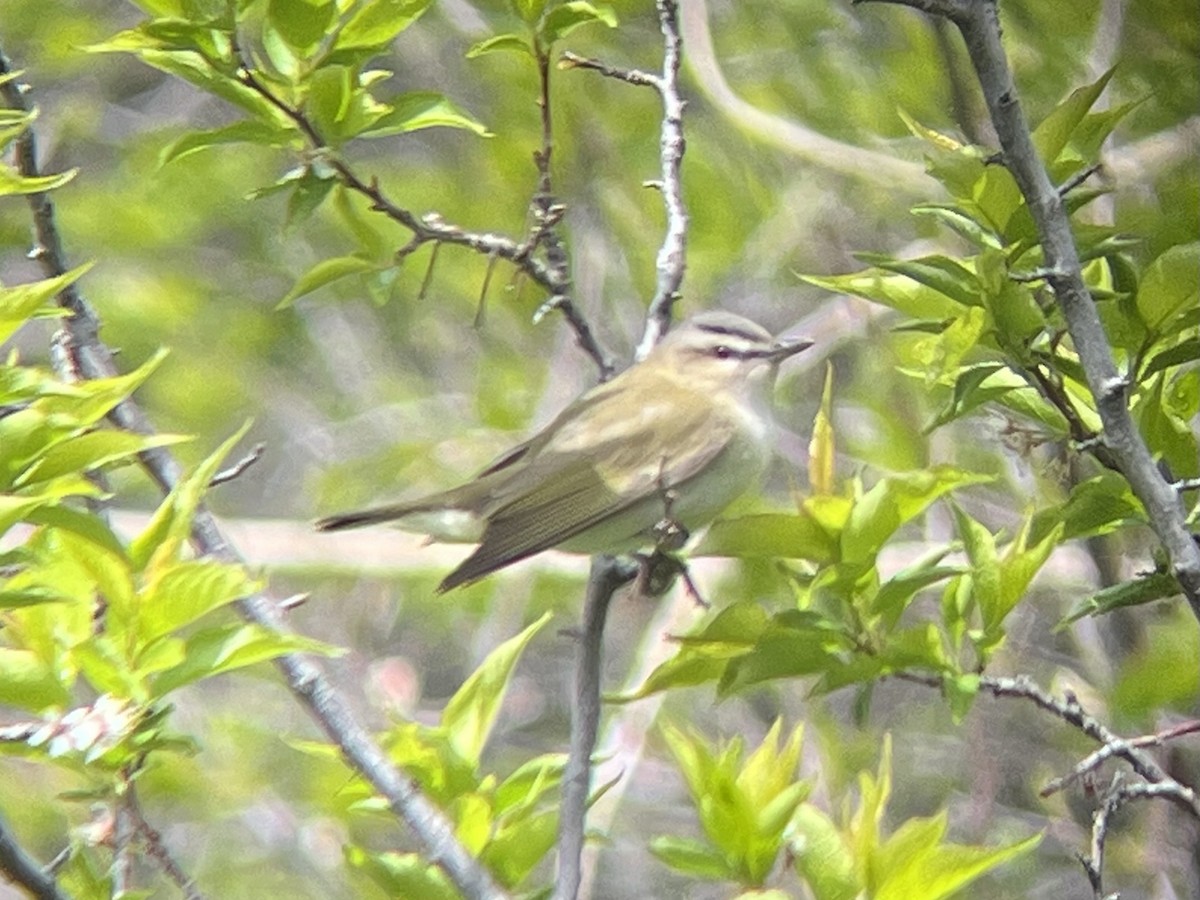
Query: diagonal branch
(22,869)
(979,24)
(305,678)
(551,274)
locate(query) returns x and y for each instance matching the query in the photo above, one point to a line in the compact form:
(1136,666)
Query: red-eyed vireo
(677,436)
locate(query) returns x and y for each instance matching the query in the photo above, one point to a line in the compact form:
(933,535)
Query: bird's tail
(374,515)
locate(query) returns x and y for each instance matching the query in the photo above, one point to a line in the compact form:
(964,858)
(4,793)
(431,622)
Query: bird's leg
(658,570)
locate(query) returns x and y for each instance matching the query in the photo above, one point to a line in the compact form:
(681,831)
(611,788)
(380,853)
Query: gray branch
(20,867)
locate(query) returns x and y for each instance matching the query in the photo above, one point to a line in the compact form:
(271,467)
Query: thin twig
(552,274)
(1116,747)
(157,848)
(232,472)
(304,677)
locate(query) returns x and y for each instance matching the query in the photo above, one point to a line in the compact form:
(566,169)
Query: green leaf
(471,712)
(794,644)
(943,274)
(914,862)
(324,273)
(403,874)
(1094,507)
(961,223)
(376,23)
(897,592)
(28,683)
(533,781)
(20,302)
(90,401)
(822,457)
(564,18)
(1052,135)
(1185,352)
(195,69)
(893,501)
(974,386)
(171,523)
(92,450)
(214,651)
(822,857)
(516,849)
(769,535)
(301,23)
(265,134)
(13,182)
(899,292)
(422,109)
(528,10)
(703,656)
(187,591)
(1169,286)
(692,858)
(502,43)
(1136,592)
(308,194)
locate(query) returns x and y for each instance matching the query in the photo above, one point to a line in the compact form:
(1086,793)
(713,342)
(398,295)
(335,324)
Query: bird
(670,441)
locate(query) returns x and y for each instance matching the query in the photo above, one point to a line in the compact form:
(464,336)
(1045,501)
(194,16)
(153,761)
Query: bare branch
(157,848)
(979,24)
(232,472)
(22,869)
(636,77)
(1116,747)
(672,259)
(304,677)
(608,574)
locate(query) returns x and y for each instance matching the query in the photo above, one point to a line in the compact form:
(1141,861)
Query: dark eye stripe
(731,331)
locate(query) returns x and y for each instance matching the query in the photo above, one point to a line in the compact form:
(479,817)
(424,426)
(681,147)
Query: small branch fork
(1155,783)
(978,21)
(672,255)
(552,273)
(305,679)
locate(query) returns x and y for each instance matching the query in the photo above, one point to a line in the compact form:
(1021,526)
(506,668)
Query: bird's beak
(785,347)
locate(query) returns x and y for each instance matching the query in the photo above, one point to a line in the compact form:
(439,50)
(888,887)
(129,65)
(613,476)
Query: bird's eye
(722,352)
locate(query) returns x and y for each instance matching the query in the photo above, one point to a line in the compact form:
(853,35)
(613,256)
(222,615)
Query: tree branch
(607,575)
(551,274)
(21,868)
(304,677)
(979,24)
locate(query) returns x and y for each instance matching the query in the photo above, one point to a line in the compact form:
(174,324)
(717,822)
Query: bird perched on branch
(639,461)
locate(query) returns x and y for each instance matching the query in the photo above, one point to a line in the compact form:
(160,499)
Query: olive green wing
(557,496)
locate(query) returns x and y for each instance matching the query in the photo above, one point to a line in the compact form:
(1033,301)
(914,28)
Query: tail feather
(360,517)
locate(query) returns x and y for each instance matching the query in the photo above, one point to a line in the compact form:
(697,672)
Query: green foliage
(744,806)
(509,823)
(752,811)
(982,332)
